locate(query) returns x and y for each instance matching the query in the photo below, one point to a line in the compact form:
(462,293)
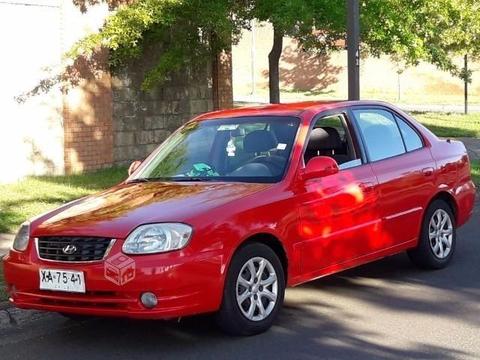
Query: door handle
(427,171)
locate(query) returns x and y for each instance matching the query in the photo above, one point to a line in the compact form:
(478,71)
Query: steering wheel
(274,162)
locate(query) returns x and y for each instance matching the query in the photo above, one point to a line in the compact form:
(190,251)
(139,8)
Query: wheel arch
(449,199)
(273,242)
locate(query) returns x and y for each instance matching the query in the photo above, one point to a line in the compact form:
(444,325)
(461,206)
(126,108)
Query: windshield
(249,149)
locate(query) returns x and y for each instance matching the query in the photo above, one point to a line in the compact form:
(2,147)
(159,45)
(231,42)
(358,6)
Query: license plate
(62,280)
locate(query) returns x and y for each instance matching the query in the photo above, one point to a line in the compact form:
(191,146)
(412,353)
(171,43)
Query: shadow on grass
(35,195)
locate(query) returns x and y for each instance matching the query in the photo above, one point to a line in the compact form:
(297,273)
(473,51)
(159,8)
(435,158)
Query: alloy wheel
(257,289)
(440,233)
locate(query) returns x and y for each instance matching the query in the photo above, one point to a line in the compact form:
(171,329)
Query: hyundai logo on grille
(69,249)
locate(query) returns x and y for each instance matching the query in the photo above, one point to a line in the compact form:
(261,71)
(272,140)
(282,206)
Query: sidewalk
(473,147)
(5,243)
(458,109)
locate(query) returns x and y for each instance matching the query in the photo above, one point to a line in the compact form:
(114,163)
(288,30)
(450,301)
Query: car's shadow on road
(309,326)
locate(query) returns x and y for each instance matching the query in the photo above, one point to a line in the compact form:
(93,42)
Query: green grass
(35,195)
(451,125)
(476,172)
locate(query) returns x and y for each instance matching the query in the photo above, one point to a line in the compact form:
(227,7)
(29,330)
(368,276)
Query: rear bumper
(184,285)
(465,196)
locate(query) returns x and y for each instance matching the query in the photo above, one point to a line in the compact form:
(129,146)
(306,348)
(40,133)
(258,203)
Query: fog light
(149,300)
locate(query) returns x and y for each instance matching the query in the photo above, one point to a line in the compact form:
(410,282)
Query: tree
(316,24)
(430,30)
(192,30)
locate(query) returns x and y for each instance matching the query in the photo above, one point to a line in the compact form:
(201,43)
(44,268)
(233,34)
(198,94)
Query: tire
(436,246)
(235,316)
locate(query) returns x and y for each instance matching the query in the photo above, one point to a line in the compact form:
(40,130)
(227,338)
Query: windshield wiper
(139,180)
(193,179)
(174,179)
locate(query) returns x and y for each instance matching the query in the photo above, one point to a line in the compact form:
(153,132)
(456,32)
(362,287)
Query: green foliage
(410,30)
(316,24)
(190,31)
(429,30)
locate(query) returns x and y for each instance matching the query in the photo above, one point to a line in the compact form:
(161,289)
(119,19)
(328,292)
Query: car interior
(261,147)
(259,151)
(330,137)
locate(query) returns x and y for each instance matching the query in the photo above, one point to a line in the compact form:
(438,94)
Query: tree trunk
(274,66)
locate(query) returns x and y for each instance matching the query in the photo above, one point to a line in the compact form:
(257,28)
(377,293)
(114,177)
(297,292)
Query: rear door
(404,168)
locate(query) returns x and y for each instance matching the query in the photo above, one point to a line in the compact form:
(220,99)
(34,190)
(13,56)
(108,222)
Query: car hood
(117,211)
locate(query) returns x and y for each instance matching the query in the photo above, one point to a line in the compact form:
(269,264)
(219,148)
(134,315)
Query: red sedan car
(238,204)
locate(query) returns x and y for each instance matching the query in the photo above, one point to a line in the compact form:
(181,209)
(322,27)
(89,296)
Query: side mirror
(134,166)
(320,166)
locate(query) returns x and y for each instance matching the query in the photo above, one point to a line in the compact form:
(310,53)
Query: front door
(338,214)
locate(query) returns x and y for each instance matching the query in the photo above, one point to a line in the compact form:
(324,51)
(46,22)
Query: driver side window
(330,137)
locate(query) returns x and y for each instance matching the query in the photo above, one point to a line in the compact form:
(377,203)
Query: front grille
(73,248)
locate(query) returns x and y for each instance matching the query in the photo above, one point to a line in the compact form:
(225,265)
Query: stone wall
(142,120)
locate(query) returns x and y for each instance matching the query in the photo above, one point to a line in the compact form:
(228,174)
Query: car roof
(287,109)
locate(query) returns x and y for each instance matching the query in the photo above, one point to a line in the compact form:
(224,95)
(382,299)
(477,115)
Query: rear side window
(334,122)
(380,132)
(410,136)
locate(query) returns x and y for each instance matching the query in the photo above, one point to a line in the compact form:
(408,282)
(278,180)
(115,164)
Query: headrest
(324,139)
(334,136)
(259,141)
(283,132)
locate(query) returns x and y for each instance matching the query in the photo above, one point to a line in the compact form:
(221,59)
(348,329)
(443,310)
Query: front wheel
(254,291)
(438,237)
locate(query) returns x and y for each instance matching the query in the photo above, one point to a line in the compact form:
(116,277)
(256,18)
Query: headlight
(21,239)
(157,238)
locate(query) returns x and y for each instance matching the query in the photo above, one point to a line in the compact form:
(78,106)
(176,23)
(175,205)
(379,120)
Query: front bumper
(185,284)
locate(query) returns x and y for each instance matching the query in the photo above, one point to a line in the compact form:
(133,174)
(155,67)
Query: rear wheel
(254,291)
(438,237)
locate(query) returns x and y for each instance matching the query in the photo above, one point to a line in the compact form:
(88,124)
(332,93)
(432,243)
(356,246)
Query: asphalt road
(384,310)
